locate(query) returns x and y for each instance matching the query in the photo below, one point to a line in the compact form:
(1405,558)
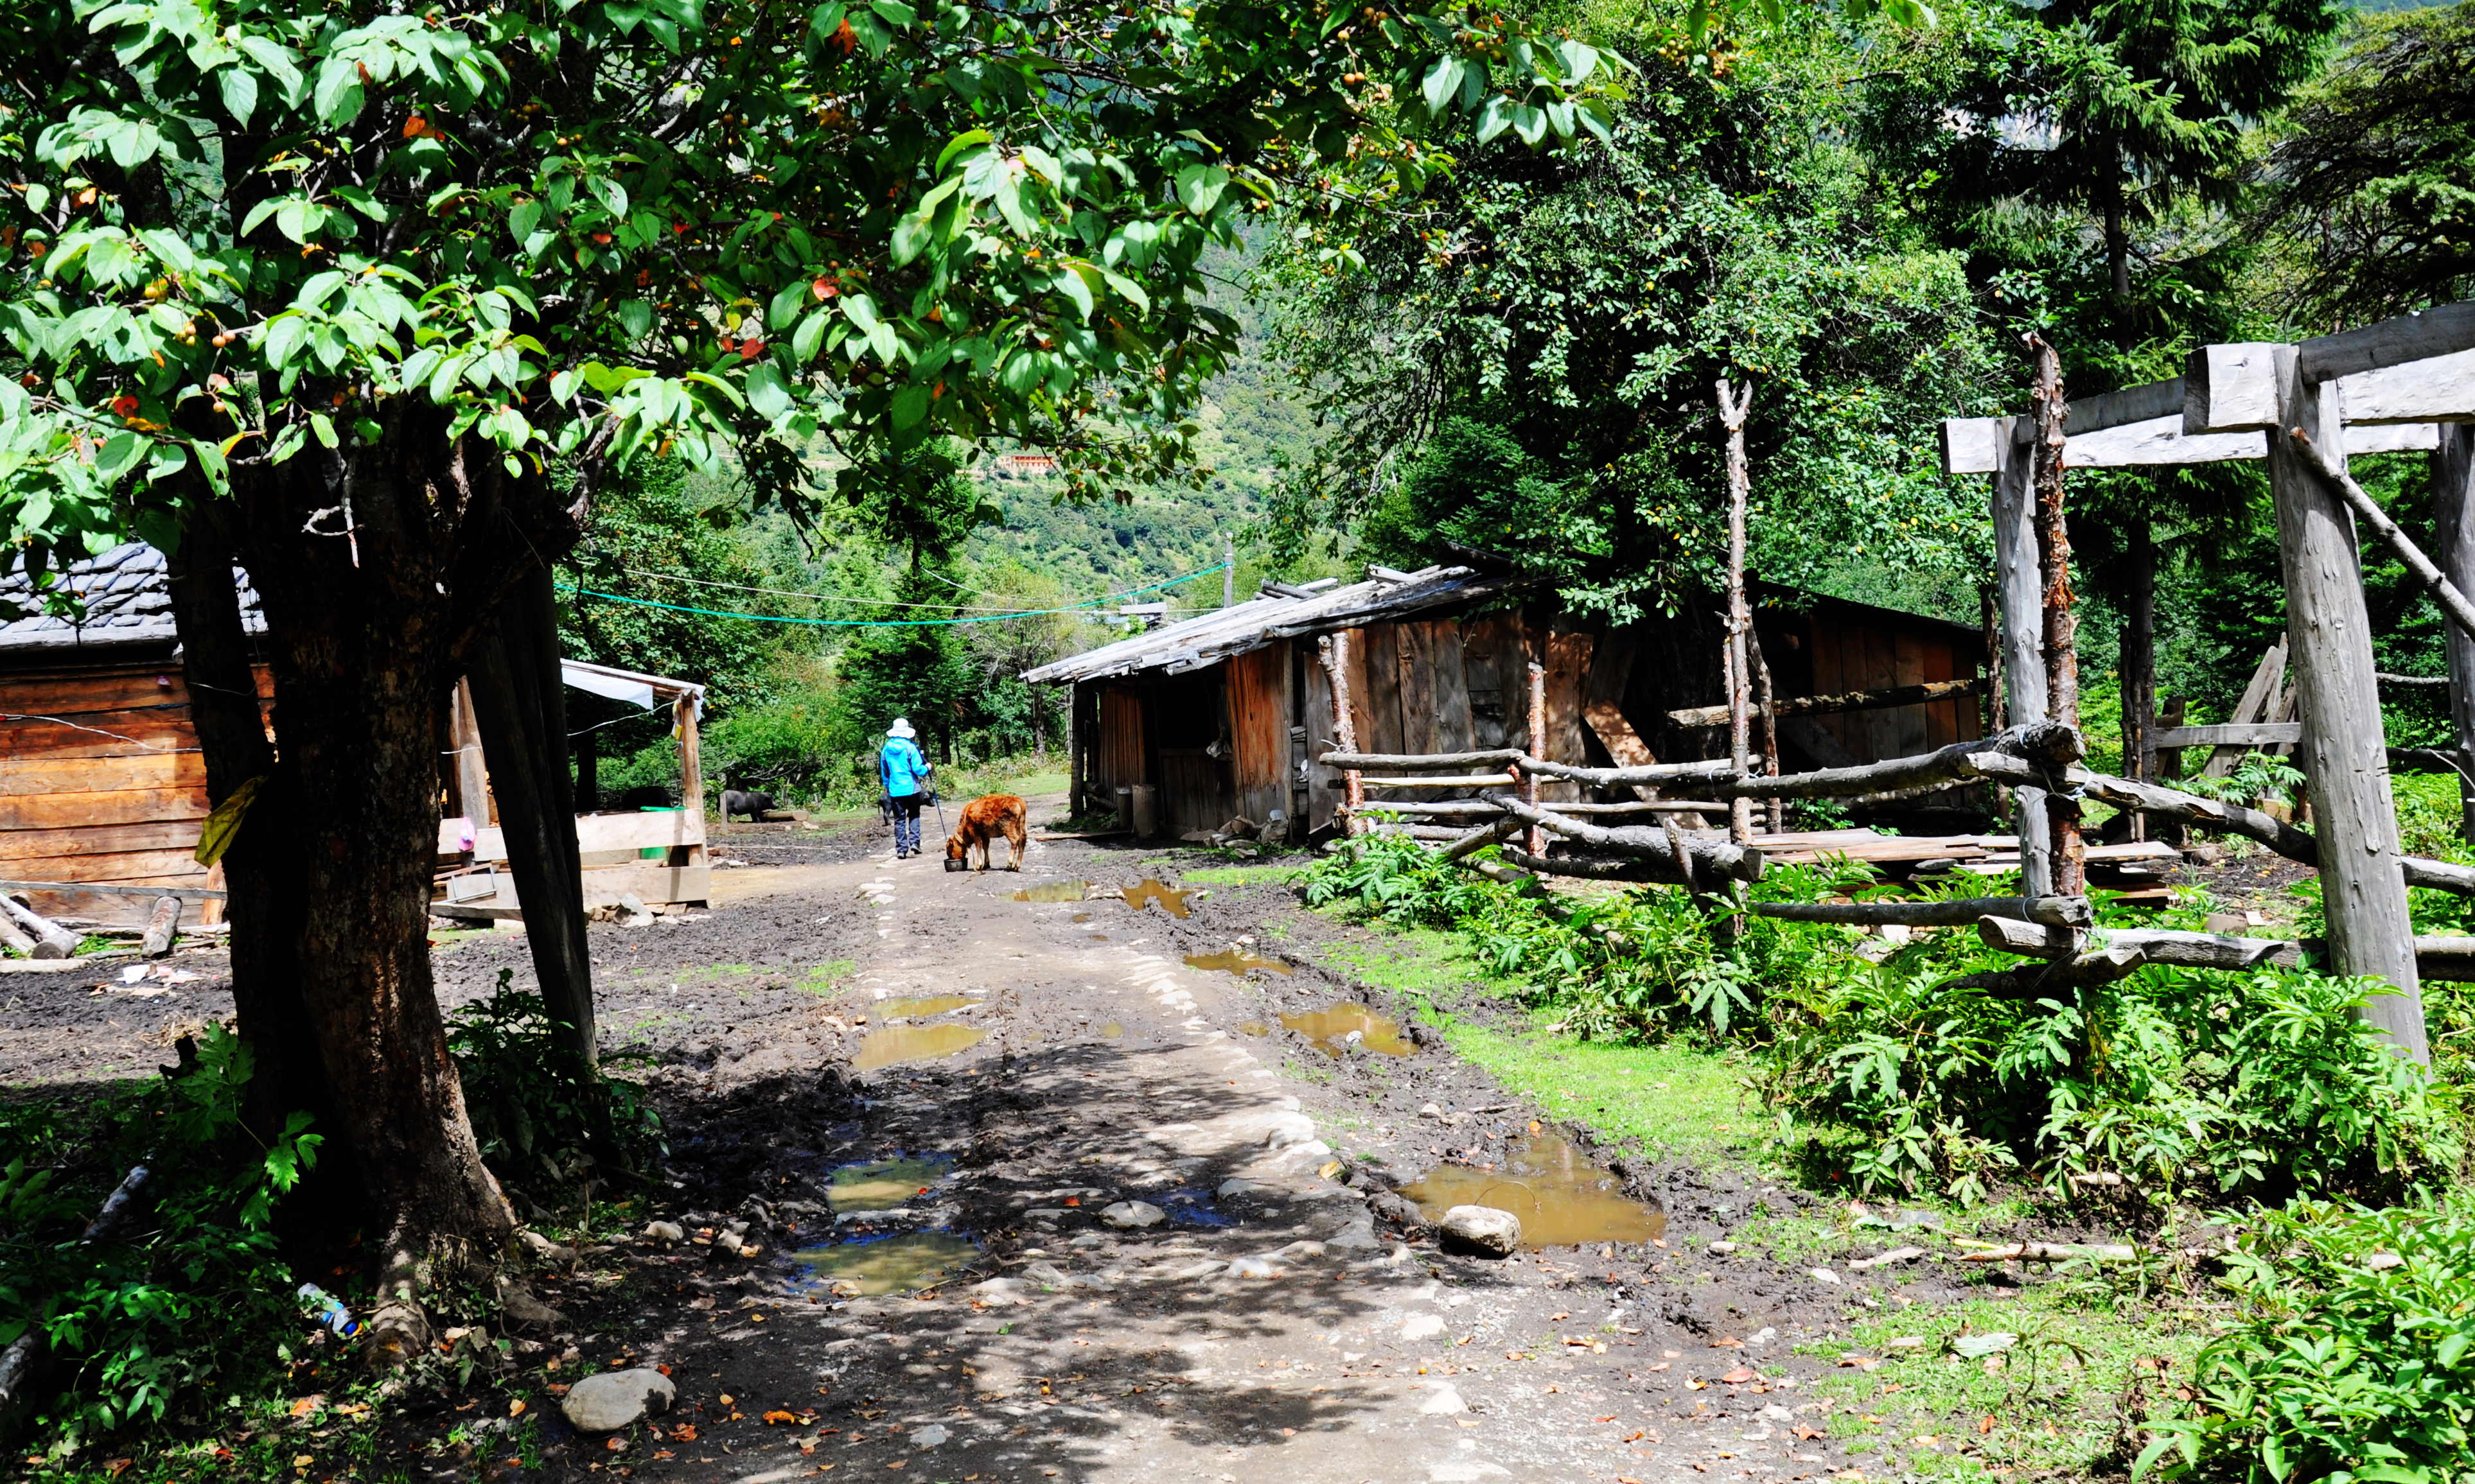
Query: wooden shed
(102,788)
(1222,712)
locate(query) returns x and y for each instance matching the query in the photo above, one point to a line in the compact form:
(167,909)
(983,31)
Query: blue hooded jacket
(901,767)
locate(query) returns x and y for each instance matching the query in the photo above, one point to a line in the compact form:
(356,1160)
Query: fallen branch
(1712,858)
(2369,511)
(1850,701)
(2216,814)
(2062,912)
(1417,761)
(51,940)
(2056,1252)
(1477,840)
(2153,946)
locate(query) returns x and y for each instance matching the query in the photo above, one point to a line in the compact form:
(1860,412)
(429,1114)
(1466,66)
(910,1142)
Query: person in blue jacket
(904,773)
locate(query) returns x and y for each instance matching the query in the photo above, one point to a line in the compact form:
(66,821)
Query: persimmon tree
(370,299)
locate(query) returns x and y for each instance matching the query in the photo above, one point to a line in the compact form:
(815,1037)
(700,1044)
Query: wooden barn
(102,785)
(1222,712)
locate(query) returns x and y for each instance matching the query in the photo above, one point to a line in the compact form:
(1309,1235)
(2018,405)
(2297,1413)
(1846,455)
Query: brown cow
(984,819)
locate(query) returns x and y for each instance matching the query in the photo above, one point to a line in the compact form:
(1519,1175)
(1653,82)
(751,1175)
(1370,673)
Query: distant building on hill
(1223,711)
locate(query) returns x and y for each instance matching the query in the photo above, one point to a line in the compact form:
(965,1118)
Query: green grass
(1242,875)
(829,978)
(2053,1400)
(1663,1101)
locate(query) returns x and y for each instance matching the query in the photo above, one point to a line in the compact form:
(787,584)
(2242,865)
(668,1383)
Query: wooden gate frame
(2400,386)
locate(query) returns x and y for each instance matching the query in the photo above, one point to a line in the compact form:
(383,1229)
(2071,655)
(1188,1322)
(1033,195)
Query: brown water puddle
(883,1184)
(893,1265)
(1171,900)
(1561,1198)
(1236,961)
(1253,1028)
(1330,1028)
(1055,892)
(920,1007)
(916,1043)
(1082,916)
(1113,1030)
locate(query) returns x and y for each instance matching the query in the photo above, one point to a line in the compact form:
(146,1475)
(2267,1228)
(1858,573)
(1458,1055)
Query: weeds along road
(1266,1325)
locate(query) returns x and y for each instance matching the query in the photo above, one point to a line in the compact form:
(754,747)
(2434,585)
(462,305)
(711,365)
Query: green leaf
(719,384)
(240,89)
(825,20)
(767,392)
(1495,118)
(1578,61)
(324,427)
(957,144)
(612,195)
(896,13)
(1530,123)
(522,218)
(636,318)
(1070,282)
(910,405)
(1128,289)
(1199,188)
(785,306)
(337,97)
(887,345)
(298,219)
(1443,80)
(810,334)
(284,336)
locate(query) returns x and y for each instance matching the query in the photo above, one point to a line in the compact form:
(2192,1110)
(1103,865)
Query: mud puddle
(916,1043)
(1056,892)
(921,1007)
(1237,962)
(1172,901)
(891,1264)
(1341,1026)
(1561,1198)
(882,1184)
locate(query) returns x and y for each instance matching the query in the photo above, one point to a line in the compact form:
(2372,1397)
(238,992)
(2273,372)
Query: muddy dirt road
(975,1188)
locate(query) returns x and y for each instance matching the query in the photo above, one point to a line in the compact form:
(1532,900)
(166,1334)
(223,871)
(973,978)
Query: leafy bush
(2353,1356)
(538,1120)
(185,1301)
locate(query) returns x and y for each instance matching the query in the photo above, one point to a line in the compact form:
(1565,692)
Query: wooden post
(472,769)
(2453,508)
(2061,625)
(2139,667)
(1537,842)
(1074,742)
(1775,813)
(2024,629)
(2345,755)
(162,928)
(691,759)
(2170,766)
(1989,617)
(1333,650)
(1732,409)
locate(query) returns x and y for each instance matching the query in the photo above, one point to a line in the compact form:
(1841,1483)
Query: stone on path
(664,1232)
(1482,1229)
(1442,1401)
(618,1398)
(1133,1213)
(931,1435)
(1418,1326)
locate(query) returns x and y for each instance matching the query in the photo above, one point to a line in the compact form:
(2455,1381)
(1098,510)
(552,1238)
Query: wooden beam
(1336,758)
(1850,701)
(2132,404)
(2424,335)
(1713,859)
(2256,734)
(2064,912)
(117,888)
(2230,388)
(2186,950)
(2344,753)
(1443,781)
(2438,390)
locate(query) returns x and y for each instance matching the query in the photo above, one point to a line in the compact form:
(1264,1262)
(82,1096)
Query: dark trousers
(906,822)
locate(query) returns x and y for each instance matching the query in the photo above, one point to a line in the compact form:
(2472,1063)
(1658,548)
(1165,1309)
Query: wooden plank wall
(1322,797)
(1568,649)
(1869,654)
(1118,752)
(77,804)
(1259,724)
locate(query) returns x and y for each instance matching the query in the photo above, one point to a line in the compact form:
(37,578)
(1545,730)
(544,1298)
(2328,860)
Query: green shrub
(538,1120)
(187,1303)
(2338,1369)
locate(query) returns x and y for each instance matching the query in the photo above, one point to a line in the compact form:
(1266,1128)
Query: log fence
(2400,386)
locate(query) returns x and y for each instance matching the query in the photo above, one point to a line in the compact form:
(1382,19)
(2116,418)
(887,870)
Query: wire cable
(993,618)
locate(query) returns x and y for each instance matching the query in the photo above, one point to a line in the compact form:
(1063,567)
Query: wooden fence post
(1538,840)
(2452,509)
(2345,754)
(2017,593)
(2061,625)
(1734,405)
(1333,650)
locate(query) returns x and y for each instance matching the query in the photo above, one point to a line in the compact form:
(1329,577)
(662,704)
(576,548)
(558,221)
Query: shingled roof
(128,604)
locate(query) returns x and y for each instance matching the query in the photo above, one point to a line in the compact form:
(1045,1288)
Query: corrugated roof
(128,602)
(1208,639)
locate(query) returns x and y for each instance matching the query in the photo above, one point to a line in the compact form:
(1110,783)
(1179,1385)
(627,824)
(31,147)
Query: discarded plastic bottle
(329,1311)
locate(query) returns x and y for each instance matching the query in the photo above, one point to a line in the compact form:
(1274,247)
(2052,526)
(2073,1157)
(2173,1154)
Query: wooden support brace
(2060,912)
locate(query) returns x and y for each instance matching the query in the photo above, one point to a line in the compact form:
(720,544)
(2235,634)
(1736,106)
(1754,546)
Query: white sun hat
(901,727)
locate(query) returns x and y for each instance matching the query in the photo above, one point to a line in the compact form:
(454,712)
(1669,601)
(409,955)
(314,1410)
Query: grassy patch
(1664,1102)
(829,978)
(1242,875)
(2049,1402)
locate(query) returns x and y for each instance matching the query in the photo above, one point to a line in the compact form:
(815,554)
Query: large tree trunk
(331,887)
(521,703)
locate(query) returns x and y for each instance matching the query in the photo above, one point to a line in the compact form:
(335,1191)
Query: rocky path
(1169,1282)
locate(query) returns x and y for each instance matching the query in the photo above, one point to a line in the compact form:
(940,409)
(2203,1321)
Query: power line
(994,617)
